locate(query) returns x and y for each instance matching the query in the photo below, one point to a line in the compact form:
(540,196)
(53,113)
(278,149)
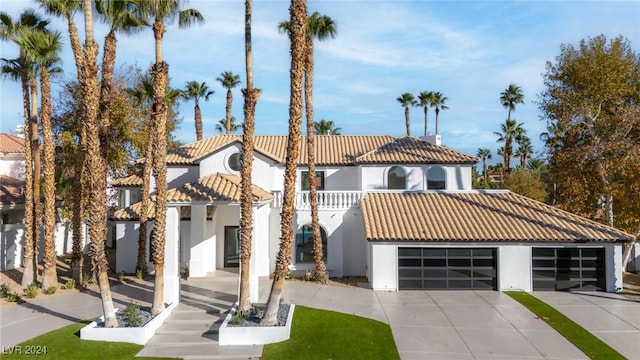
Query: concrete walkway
(425,324)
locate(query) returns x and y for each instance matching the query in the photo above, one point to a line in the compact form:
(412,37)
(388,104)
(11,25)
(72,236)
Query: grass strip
(65,344)
(593,347)
(322,334)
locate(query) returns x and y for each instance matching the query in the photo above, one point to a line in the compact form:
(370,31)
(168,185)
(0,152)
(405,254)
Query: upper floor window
(304,175)
(396,178)
(436,178)
(234,162)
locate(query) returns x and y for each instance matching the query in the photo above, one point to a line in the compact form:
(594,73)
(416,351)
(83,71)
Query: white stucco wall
(613,253)
(331,222)
(336,178)
(11,240)
(180,175)
(12,165)
(225,216)
(514,268)
(457,177)
(261,240)
(127,245)
(171,256)
(354,243)
(384,267)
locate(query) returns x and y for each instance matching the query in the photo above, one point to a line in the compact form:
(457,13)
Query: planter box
(136,335)
(253,335)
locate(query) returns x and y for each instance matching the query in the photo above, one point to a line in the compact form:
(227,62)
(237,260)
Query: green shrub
(31,291)
(307,275)
(121,277)
(238,318)
(86,279)
(70,284)
(139,274)
(51,290)
(13,297)
(133,315)
(4,291)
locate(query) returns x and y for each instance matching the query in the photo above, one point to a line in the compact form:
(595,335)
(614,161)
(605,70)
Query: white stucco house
(400,211)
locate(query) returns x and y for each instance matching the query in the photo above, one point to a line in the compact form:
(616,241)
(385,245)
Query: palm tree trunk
(320,272)
(160,72)
(251,96)
(426,132)
(96,168)
(484,173)
(35,149)
(76,48)
(407,121)
(29,272)
(49,275)
(108,64)
(437,113)
(298,11)
(198,120)
(145,203)
(228,111)
(158,33)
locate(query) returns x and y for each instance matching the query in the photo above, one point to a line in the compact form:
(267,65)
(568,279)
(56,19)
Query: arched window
(436,179)
(396,178)
(304,244)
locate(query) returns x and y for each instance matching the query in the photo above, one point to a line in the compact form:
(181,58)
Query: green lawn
(65,343)
(321,334)
(593,347)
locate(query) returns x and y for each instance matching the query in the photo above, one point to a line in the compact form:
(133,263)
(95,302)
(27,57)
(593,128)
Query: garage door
(568,269)
(447,268)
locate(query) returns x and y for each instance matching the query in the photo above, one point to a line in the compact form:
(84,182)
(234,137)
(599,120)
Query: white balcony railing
(327,200)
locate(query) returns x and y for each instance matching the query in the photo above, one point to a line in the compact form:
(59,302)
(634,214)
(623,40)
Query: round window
(234,162)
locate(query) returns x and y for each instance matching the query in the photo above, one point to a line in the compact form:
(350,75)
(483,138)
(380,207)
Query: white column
(171,256)
(253,271)
(514,268)
(198,250)
(613,266)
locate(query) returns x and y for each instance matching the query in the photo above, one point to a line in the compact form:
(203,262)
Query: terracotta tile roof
(330,150)
(132,180)
(215,187)
(11,190)
(11,144)
(475,216)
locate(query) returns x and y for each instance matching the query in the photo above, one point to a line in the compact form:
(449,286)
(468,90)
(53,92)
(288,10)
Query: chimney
(432,139)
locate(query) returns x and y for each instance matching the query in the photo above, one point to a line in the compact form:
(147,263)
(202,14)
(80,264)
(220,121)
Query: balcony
(327,200)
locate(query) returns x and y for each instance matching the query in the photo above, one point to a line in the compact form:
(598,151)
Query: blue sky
(469,51)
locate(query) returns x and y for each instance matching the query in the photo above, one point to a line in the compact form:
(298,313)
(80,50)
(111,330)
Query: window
(304,244)
(135,196)
(396,178)
(234,162)
(122,198)
(435,179)
(305,180)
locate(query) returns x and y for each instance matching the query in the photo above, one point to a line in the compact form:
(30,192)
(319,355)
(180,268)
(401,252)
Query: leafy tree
(526,183)
(325,127)
(592,93)
(406,100)
(298,34)
(195,91)
(251,96)
(424,101)
(438,103)
(484,154)
(229,80)
(510,131)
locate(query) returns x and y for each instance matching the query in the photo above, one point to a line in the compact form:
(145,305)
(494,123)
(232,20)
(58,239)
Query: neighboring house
(400,211)
(12,182)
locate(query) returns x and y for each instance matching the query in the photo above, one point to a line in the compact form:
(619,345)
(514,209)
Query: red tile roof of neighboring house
(11,144)
(479,216)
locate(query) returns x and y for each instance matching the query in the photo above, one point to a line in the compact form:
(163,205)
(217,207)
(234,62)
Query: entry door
(231,246)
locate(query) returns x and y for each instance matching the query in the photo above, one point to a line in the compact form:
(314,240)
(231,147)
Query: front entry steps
(192,333)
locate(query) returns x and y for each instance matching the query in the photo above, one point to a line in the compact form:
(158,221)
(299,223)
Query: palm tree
(251,96)
(484,154)
(67,10)
(21,69)
(195,91)
(298,11)
(162,11)
(525,149)
(41,48)
(510,131)
(437,102)
(96,166)
(221,126)
(510,97)
(319,27)
(229,81)
(406,100)
(325,127)
(424,101)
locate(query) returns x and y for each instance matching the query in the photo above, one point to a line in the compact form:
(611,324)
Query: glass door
(231,246)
